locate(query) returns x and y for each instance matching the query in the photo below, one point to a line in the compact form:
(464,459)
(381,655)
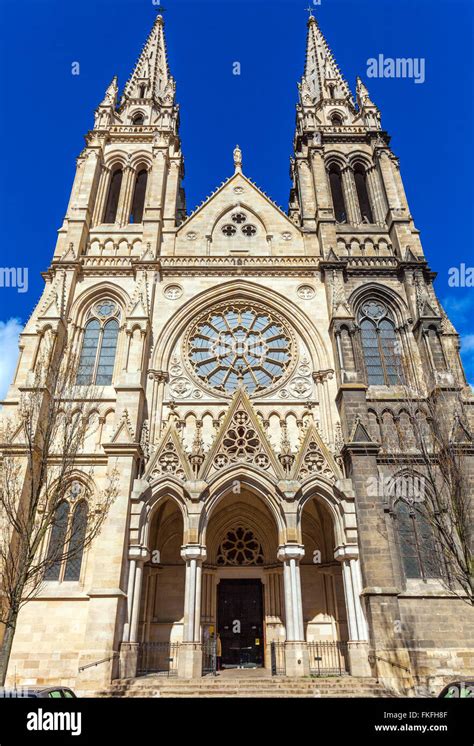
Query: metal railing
(277,656)
(209,658)
(328,658)
(112,657)
(158,657)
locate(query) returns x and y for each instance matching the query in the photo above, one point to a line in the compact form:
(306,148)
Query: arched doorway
(322,588)
(163,588)
(242,592)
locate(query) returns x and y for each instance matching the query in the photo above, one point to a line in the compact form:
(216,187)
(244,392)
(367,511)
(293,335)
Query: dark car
(460,689)
(38,692)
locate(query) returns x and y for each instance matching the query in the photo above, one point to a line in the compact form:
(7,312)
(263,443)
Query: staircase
(246,686)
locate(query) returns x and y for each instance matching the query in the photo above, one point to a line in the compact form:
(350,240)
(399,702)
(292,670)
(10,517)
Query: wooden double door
(240,623)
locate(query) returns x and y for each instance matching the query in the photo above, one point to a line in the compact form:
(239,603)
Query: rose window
(240,547)
(249,230)
(239,217)
(240,344)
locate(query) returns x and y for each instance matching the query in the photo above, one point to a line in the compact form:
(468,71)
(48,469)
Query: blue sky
(47,110)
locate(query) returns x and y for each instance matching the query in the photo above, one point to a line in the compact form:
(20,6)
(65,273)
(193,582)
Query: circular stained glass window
(240,345)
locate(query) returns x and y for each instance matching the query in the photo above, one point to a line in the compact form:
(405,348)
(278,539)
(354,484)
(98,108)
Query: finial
(311,16)
(237,158)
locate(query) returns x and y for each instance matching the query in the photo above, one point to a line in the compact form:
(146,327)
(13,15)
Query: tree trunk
(7,643)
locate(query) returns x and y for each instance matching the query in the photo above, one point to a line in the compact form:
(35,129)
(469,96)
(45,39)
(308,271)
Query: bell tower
(127,190)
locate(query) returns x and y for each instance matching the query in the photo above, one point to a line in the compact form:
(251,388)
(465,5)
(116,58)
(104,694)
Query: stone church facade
(247,364)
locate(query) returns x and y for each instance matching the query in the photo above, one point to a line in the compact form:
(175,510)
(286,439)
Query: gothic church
(248,364)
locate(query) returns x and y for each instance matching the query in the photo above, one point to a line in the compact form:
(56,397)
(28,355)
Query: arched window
(335,180)
(336,120)
(99,346)
(142,90)
(76,542)
(419,552)
(380,345)
(138,118)
(57,541)
(110,214)
(138,203)
(68,535)
(360,178)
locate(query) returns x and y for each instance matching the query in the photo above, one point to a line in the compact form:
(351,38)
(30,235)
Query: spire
(151,78)
(322,78)
(105,111)
(369,111)
(110,98)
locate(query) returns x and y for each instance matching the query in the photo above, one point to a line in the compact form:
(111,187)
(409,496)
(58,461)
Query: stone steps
(278,687)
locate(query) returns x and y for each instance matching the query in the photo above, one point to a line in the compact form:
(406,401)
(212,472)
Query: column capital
(346,552)
(140,554)
(193,552)
(288,552)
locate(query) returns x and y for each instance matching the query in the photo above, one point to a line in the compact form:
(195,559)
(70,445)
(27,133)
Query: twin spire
(323,84)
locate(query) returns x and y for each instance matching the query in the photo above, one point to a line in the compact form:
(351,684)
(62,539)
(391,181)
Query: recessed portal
(240,623)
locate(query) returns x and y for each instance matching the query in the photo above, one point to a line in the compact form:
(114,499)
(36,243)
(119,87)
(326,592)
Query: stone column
(296,652)
(129,647)
(377,198)
(350,197)
(102,193)
(159,379)
(126,196)
(358,644)
(190,653)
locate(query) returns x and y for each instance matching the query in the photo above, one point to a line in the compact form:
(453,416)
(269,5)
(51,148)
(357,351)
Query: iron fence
(209,657)
(277,656)
(328,658)
(158,657)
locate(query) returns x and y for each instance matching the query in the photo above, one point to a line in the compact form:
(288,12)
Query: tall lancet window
(335,180)
(99,345)
(138,203)
(380,345)
(360,178)
(115,186)
(419,551)
(68,535)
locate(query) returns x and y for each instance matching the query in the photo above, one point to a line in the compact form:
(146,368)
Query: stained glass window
(76,544)
(239,344)
(419,553)
(380,345)
(99,346)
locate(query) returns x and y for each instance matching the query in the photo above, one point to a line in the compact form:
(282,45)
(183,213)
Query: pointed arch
(76,543)
(113,196)
(139,193)
(244,290)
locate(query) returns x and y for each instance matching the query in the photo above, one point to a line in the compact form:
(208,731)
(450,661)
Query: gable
(256,226)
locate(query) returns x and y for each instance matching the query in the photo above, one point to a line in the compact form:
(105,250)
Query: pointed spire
(110,98)
(322,78)
(368,110)
(151,78)
(105,111)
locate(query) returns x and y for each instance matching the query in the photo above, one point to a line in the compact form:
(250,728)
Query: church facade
(247,362)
